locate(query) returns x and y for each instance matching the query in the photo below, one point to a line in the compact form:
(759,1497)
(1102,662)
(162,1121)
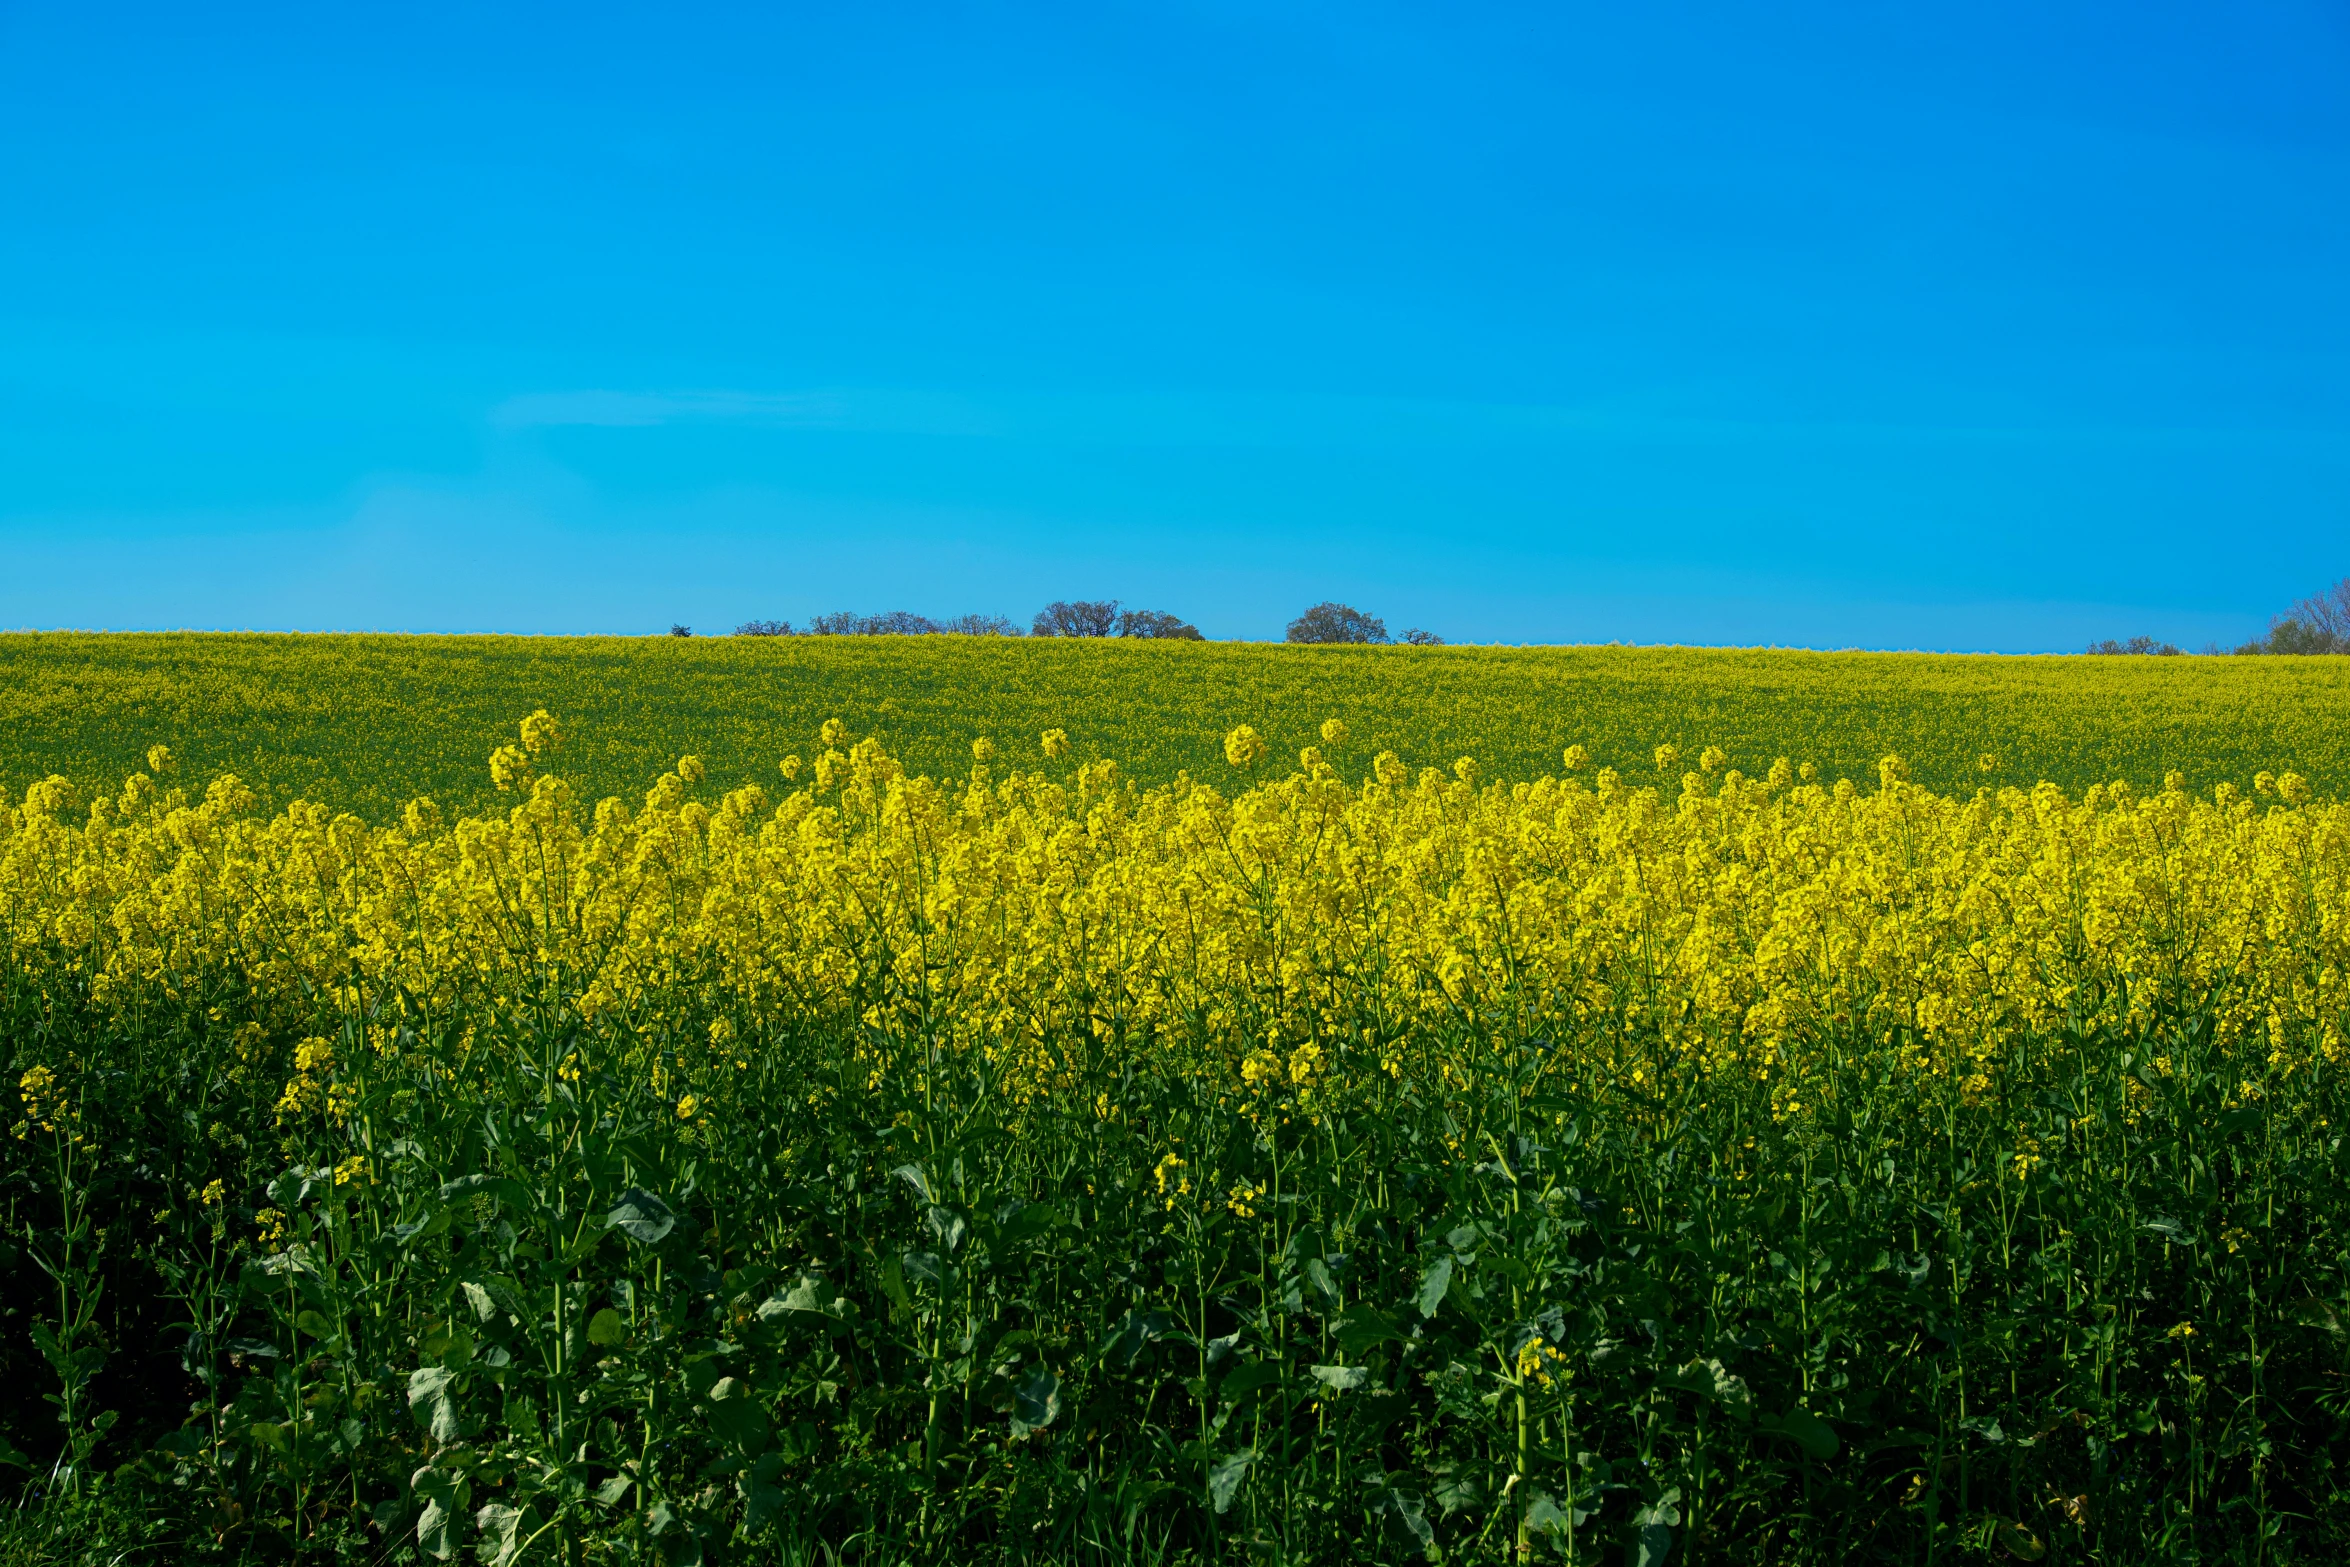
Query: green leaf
(1339,1379)
(484,1308)
(438,1527)
(948,1226)
(1655,1523)
(809,1296)
(1036,1400)
(313,1324)
(641,1216)
(1224,1480)
(611,1492)
(1135,1332)
(1361,1330)
(1456,1489)
(1433,1284)
(1710,1379)
(1030,1219)
(2018,1541)
(1414,1519)
(606,1328)
(501,1533)
(1806,1430)
(1248,1378)
(506,1190)
(432,1394)
(1544,1517)
(893,1281)
(736,1416)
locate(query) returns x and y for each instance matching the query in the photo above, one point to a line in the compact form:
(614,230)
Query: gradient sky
(1997,326)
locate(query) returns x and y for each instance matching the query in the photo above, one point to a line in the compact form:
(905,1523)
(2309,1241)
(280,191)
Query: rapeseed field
(365,723)
(1298,1151)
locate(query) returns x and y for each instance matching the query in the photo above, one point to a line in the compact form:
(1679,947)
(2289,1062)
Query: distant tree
(2141,645)
(1418,638)
(977,626)
(895,623)
(1157,623)
(2328,612)
(1327,622)
(681,631)
(2290,635)
(2318,624)
(1083,618)
(765,628)
(905,623)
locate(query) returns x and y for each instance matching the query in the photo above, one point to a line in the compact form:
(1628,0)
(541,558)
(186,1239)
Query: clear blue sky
(1998,325)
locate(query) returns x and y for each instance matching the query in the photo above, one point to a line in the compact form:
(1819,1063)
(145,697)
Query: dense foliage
(370,722)
(1361,1164)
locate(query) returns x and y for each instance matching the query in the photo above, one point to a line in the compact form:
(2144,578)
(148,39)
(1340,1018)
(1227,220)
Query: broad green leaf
(1224,1480)
(641,1216)
(484,1308)
(1433,1284)
(312,1323)
(500,1528)
(439,1525)
(1250,1377)
(1710,1379)
(2018,1541)
(1544,1517)
(948,1226)
(607,1328)
(1029,1220)
(1339,1379)
(612,1491)
(1414,1518)
(808,1296)
(1135,1333)
(736,1416)
(505,1189)
(1036,1400)
(432,1394)
(1655,1524)
(762,1505)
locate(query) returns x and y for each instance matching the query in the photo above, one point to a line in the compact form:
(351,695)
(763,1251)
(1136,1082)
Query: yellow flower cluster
(1295,935)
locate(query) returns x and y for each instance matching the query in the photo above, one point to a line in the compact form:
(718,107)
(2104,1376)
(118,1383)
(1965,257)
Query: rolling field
(364,723)
(992,1145)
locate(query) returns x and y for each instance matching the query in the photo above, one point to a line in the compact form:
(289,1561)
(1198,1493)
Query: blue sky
(1996,326)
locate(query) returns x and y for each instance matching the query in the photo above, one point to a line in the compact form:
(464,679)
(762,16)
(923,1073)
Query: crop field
(366,723)
(1467,1106)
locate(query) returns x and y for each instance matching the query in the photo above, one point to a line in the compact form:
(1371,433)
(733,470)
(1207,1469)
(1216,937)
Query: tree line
(2320,623)
(1326,622)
